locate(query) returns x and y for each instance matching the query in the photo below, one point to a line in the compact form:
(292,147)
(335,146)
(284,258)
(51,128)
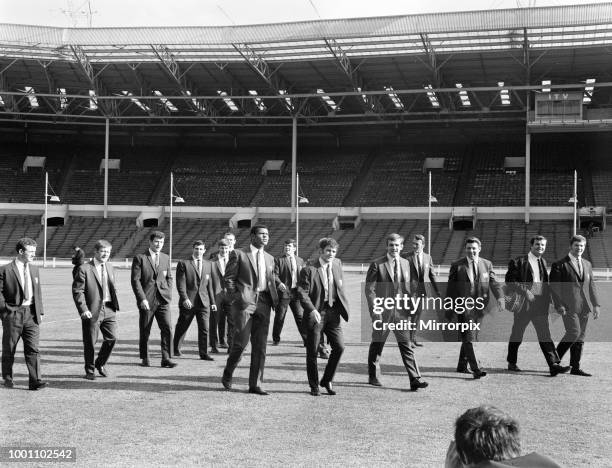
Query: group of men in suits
(242,287)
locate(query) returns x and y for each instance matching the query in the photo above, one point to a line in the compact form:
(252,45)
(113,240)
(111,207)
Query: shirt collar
(19,263)
(254,249)
(474,260)
(153,253)
(97,263)
(195,259)
(532,257)
(573,257)
(390,259)
(323,262)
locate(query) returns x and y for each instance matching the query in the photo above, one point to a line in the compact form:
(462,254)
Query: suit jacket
(567,288)
(282,269)
(241,277)
(424,283)
(147,280)
(379,281)
(312,291)
(190,285)
(11,290)
(459,284)
(87,289)
(519,279)
(218,281)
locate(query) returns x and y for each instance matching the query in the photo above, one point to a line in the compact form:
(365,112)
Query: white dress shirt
(21,268)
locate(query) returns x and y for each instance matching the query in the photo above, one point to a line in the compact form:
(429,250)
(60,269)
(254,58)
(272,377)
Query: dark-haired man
(152,286)
(288,267)
(573,285)
(196,299)
(527,276)
(472,277)
(21,308)
(252,286)
(95,295)
(321,290)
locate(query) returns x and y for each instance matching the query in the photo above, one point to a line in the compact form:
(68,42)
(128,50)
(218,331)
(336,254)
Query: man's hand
(561,310)
(187,304)
(213,308)
(530,296)
(282,287)
(596,312)
(316,315)
(500,303)
(86,315)
(144,305)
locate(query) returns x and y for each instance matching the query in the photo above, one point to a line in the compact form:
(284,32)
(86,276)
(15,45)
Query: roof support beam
(109,109)
(10,102)
(181,80)
(369,103)
(437,76)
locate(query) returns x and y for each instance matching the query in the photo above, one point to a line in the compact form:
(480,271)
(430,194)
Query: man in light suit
(388,277)
(321,291)
(196,298)
(152,286)
(252,286)
(95,297)
(21,310)
(573,285)
(288,267)
(528,277)
(472,277)
(223,314)
(422,278)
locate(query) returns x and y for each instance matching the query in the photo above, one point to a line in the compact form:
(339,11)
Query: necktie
(330,285)
(418,264)
(156,260)
(26,283)
(579,261)
(293,272)
(261,271)
(198,266)
(103,278)
(396,273)
(541,268)
(475,271)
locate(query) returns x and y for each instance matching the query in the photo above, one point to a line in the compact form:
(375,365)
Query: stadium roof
(457,66)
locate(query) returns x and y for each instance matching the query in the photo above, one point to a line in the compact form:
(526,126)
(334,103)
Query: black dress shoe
(375,382)
(258,391)
(463,370)
(418,383)
(38,385)
(323,355)
(514,368)
(329,387)
(417,343)
(177,352)
(227,384)
(222,345)
(206,357)
(8,383)
(479,373)
(102,370)
(275,343)
(168,364)
(315,392)
(580,372)
(90,376)
(145,363)
(556,369)
(214,350)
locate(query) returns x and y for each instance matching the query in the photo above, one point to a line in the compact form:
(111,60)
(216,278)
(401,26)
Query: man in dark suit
(388,277)
(252,286)
(287,267)
(321,291)
(152,286)
(528,277)
(95,295)
(196,298)
(21,308)
(573,285)
(222,316)
(471,277)
(422,278)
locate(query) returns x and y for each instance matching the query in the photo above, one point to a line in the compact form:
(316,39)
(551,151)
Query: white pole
(171,197)
(575,198)
(45,221)
(297,214)
(106,143)
(294,194)
(429,218)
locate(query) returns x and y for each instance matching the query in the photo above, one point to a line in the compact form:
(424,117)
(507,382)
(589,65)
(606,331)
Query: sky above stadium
(127,13)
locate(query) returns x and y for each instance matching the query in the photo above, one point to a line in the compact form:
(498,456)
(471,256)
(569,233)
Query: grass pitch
(159,417)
